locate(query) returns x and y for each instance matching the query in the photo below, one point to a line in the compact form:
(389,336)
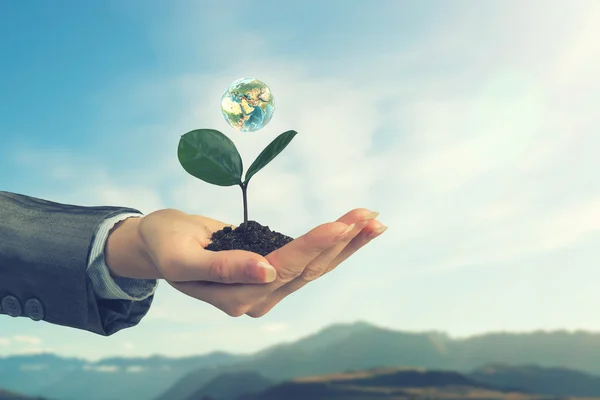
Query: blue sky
(471,126)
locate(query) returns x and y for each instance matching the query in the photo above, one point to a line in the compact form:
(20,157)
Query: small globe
(247,105)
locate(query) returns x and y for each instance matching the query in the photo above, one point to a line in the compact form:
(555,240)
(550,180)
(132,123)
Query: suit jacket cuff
(107,286)
(44,255)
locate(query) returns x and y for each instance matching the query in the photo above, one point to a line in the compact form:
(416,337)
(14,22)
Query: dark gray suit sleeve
(44,254)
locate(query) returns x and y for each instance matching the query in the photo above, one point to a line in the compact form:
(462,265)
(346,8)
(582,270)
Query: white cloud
(32,350)
(33,340)
(109,369)
(96,185)
(570,225)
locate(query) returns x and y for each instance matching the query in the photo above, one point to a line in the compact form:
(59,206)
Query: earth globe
(247,105)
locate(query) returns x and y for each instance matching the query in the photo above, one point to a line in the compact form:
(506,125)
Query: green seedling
(209,155)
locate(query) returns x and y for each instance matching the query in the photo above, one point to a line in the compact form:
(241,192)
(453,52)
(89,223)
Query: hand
(303,260)
(169,244)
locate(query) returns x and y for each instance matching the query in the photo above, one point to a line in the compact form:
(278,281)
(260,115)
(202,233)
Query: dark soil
(257,239)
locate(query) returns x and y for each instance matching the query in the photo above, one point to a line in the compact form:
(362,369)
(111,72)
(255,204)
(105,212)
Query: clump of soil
(256,238)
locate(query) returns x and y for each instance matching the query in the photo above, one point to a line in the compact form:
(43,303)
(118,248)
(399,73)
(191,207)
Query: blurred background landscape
(472,127)
(356,360)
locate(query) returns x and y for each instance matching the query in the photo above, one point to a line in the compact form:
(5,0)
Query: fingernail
(365,220)
(377,232)
(372,215)
(345,233)
(263,271)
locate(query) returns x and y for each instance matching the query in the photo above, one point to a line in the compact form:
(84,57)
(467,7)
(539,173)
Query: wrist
(125,254)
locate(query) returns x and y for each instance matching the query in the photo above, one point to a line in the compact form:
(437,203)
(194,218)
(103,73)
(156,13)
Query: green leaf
(211,156)
(269,153)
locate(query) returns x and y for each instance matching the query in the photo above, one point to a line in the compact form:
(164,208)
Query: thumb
(231,266)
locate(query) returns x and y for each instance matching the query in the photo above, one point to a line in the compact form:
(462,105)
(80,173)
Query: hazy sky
(472,127)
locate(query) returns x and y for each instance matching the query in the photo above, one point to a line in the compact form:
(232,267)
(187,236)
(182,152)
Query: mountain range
(572,356)
(6,395)
(388,383)
(395,383)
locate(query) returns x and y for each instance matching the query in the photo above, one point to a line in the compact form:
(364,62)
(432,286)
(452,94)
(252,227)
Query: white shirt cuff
(107,286)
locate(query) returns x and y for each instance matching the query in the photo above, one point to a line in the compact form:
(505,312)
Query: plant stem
(245,198)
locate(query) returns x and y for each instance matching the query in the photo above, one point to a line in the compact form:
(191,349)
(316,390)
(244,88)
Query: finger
(194,263)
(359,218)
(291,259)
(290,271)
(317,267)
(355,215)
(373,229)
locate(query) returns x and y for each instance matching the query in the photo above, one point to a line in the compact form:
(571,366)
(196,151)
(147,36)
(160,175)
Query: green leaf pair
(212,157)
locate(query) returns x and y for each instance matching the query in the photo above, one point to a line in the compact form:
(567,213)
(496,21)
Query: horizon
(471,127)
(217,351)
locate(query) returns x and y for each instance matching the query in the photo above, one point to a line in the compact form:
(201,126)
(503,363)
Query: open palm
(302,260)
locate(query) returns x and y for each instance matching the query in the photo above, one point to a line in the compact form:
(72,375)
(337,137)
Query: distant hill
(379,382)
(341,347)
(6,395)
(362,346)
(230,386)
(114,378)
(577,350)
(555,381)
(399,384)
(32,374)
